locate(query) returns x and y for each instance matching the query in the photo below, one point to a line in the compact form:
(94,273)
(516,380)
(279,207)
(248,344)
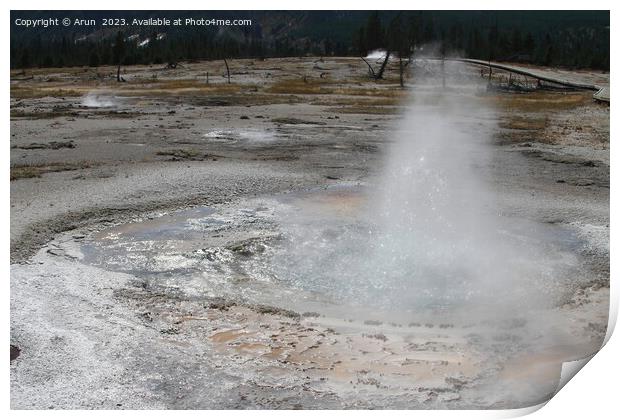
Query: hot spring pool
(324,251)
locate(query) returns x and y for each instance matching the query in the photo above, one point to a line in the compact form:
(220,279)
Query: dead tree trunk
(371,71)
(401,69)
(227,70)
(118,73)
(383,65)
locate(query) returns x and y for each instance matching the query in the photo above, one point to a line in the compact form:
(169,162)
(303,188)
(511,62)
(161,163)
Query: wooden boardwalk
(602,91)
(602,94)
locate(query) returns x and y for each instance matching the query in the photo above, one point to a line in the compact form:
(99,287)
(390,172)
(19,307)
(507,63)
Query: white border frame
(592,394)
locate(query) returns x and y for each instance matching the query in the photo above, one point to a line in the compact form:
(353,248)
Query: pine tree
(93,61)
(516,44)
(493,42)
(359,42)
(374,32)
(529,45)
(398,42)
(24,61)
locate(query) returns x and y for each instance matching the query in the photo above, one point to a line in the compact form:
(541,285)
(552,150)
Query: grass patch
(392,91)
(543,101)
(301,87)
(158,87)
(354,101)
(331,87)
(21,92)
(60,71)
(35,171)
(523,123)
(241,99)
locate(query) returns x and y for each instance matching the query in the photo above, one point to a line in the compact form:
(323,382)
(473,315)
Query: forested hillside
(576,39)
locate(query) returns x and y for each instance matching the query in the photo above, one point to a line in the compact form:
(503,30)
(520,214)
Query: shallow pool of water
(320,251)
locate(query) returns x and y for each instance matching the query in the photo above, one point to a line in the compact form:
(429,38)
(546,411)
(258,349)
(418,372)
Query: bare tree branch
(383,65)
(371,71)
(227,70)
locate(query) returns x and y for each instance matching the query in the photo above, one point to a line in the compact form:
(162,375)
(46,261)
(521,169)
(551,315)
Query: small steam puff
(376,55)
(95,100)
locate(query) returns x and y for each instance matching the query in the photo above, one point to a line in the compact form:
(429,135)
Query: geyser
(430,235)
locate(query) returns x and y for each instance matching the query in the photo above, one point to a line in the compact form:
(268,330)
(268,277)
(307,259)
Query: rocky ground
(89,154)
